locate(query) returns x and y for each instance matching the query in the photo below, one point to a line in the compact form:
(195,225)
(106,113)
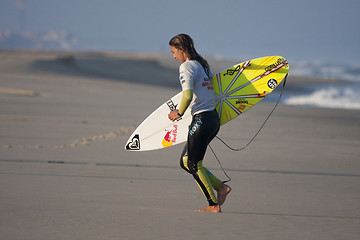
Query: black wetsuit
(203,129)
(204,126)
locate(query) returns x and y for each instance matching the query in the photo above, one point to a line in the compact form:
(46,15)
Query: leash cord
(253,138)
(267,118)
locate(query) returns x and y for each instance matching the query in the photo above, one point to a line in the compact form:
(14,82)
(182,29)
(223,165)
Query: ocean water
(329,95)
(328,70)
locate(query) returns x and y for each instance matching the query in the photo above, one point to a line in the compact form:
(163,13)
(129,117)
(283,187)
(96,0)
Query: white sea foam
(329,97)
(323,69)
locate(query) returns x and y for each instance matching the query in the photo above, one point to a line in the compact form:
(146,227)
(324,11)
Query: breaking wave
(328,70)
(328,97)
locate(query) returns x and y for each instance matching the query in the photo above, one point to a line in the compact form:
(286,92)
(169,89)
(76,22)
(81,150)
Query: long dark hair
(187,44)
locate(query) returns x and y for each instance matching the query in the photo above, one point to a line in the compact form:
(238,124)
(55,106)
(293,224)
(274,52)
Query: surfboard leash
(252,139)
(267,118)
(229,179)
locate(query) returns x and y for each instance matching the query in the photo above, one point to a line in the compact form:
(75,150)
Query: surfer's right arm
(184,104)
(186,78)
(185,101)
(188,71)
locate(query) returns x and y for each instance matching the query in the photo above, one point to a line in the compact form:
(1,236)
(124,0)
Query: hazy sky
(296,29)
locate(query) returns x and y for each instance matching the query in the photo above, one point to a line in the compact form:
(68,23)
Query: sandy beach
(66,116)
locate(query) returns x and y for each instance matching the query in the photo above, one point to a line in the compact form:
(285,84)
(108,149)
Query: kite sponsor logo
(242,101)
(134,144)
(170,137)
(277,63)
(272,83)
(171,105)
(243,104)
(231,72)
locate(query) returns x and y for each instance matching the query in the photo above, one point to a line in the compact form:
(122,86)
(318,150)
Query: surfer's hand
(173,115)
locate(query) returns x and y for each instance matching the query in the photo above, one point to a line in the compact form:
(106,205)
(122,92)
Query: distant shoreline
(158,69)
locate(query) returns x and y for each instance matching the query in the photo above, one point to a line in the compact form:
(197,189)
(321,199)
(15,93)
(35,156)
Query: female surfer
(198,94)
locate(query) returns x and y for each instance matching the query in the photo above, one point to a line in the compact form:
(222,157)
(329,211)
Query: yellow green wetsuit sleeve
(185,100)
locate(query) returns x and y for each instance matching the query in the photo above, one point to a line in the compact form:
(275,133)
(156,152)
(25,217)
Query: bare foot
(215,208)
(222,192)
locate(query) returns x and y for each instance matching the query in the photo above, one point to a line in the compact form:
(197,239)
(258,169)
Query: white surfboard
(238,88)
(157,131)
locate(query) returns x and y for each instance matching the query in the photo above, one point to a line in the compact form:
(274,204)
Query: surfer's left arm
(184,104)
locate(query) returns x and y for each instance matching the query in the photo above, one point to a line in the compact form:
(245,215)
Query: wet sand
(65,118)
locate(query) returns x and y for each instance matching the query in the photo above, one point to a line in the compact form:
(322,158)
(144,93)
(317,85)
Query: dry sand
(65,118)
